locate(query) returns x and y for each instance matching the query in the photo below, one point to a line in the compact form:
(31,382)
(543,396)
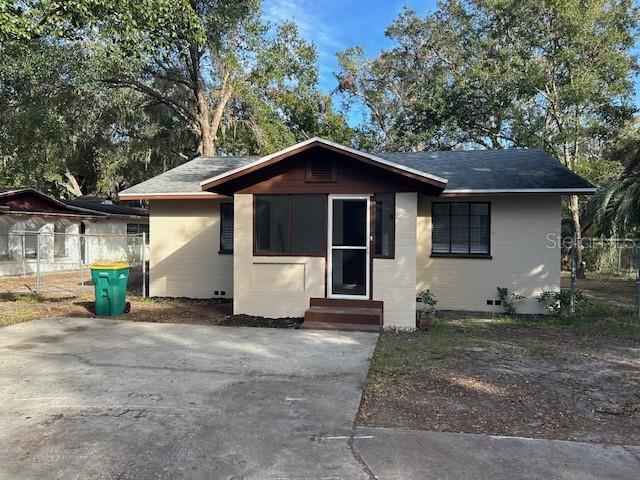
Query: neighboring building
(62,234)
(332,233)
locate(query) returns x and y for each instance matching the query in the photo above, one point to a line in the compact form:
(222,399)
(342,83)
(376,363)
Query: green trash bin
(110,280)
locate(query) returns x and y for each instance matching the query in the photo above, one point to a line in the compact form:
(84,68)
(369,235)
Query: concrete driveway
(93,398)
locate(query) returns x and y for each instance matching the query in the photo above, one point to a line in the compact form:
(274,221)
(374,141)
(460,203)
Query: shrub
(427,298)
(509,300)
(559,302)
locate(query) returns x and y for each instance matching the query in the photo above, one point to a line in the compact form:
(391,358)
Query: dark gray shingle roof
(113,209)
(186,178)
(509,169)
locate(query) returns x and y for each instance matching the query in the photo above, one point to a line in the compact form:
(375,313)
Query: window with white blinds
(226,227)
(460,228)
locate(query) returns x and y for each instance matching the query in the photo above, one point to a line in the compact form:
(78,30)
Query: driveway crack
(358,458)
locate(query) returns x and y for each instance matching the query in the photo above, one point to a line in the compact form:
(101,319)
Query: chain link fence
(608,275)
(57,265)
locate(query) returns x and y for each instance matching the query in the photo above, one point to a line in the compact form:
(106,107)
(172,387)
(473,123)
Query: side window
(59,239)
(5,252)
(385,226)
(226,228)
(460,228)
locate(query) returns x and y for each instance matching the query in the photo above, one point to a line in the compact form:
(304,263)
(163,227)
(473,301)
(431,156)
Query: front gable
(318,166)
(28,201)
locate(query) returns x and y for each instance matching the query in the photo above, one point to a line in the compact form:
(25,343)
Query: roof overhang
(23,213)
(457,192)
(171,196)
(269,160)
(65,209)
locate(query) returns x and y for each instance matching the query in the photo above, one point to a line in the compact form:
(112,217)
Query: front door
(348,262)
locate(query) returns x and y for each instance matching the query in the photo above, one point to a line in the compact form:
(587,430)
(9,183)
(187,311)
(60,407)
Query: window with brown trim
(385,225)
(290,224)
(460,229)
(226,228)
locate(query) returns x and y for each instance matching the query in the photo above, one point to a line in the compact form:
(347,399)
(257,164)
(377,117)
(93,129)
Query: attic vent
(321,170)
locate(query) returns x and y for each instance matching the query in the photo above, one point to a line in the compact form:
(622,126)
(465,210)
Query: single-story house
(39,231)
(328,232)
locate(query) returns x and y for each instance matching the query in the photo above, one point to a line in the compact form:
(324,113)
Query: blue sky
(334,25)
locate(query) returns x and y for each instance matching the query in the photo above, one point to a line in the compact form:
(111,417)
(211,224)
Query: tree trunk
(574,208)
(72,185)
(207,145)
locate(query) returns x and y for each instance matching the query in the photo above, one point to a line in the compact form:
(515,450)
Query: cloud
(318,24)
(312,23)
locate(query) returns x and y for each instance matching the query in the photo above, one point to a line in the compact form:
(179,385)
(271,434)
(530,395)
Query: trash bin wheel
(127,307)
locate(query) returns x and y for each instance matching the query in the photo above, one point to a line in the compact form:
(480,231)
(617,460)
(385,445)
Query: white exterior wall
(103,240)
(270,286)
(281,286)
(17,265)
(521,258)
(184,245)
(394,279)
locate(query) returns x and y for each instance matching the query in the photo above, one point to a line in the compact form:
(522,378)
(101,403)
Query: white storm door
(348,250)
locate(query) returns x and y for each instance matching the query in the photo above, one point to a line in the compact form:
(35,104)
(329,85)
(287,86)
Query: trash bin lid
(106,265)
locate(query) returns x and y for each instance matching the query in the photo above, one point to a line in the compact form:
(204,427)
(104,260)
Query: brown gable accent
(33,202)
(223,183)
(28,200)
(343,173)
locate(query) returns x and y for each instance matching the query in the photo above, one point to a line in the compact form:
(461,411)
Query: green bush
(427,298)
(509,300)
(559,302)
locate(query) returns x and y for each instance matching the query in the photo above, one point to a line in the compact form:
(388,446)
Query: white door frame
(366,247)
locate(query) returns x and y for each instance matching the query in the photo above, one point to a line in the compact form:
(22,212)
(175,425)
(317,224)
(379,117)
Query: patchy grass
(16,308)
(540,349)
(25,307)
(546,377)
(30,297)
(401,352)
(596,320)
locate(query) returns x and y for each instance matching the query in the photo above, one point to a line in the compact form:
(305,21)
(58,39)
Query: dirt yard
(605,290)
(15,308)
(550,379)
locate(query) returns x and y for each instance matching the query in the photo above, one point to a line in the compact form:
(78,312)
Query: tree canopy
(555,75)
(99,95)
(96,95)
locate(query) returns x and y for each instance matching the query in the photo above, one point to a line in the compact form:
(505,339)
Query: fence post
(574,259)
(144,265)
(24,254)
(638,282)
(38,262)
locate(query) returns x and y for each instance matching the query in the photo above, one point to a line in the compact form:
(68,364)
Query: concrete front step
(357,327)
(360,316)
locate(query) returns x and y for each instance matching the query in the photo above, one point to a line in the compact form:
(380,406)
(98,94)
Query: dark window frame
(258,253)
(222,250)
(374,225)
(468,254)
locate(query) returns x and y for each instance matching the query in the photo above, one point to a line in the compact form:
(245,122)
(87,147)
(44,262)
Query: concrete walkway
(393,454)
